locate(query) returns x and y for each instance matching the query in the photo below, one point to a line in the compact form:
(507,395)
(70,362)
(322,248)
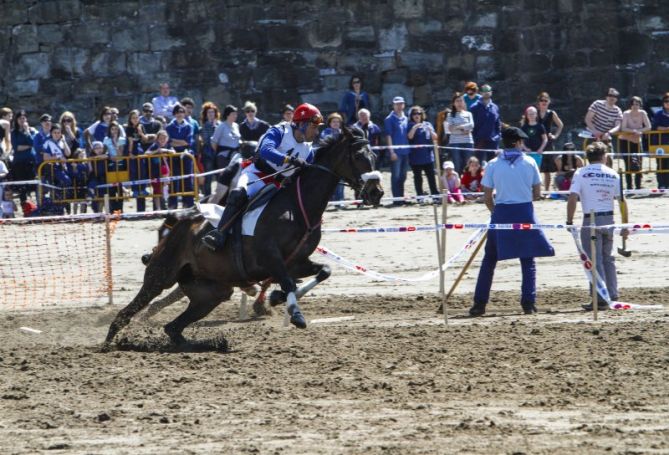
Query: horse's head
(350,157)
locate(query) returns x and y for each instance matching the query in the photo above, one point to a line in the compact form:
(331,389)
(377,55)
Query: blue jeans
(485,144)
(487,271)
(398,174)
(339,193)
(460,157)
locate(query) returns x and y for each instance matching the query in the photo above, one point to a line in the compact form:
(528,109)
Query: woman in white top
(459,123)
(635,122)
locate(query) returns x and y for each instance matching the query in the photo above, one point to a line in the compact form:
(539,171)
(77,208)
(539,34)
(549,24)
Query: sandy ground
(376,371)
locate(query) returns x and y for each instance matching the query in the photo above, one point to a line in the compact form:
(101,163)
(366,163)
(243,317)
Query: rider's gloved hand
(297,161)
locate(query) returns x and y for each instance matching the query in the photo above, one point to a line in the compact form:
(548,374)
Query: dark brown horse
(287,233)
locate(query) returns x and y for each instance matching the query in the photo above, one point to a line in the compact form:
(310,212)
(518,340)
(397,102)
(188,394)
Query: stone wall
(82,54)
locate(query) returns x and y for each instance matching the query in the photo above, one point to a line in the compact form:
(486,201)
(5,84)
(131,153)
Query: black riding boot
(215,239)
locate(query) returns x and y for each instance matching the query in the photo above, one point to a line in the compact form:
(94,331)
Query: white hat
(398,99)
(448,165)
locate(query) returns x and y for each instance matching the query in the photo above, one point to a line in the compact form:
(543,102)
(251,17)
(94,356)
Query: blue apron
(512,244)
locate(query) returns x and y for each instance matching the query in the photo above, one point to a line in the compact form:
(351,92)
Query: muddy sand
(376,371)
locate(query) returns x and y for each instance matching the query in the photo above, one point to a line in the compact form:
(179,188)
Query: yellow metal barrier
(79,180)
(654,143)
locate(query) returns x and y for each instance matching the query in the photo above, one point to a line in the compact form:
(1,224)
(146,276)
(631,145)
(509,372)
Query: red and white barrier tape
(601,283)
(350,265)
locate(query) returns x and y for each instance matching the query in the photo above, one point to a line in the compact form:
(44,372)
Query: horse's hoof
(276,297)
(297,319)
(106,347)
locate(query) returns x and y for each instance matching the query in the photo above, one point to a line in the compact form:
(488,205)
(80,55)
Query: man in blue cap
(517,182)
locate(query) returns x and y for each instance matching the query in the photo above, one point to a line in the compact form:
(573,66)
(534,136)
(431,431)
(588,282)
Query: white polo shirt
(597,185)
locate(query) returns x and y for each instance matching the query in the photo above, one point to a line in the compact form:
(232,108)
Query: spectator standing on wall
(396,129)
(164,103)
(23,164)
(635,122)
(210,118)
(604,117)
(373,133)
(421,133)
(661,123)
(354,100)
(460,124)
(516,180)
(549,119)
(252,128)
(471,94)
(487,125)
(181,137)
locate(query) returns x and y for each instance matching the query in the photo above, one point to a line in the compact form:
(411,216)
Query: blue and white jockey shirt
(279,142)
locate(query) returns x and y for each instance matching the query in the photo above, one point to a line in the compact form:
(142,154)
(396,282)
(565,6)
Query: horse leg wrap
(322,275)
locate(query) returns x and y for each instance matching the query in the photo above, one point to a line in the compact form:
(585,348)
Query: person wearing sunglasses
(283,149)
(354,100)
(661,123)
(604,117)
(71,132)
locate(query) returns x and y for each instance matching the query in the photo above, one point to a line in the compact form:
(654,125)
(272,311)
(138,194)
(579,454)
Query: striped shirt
(463,120)
(605,117)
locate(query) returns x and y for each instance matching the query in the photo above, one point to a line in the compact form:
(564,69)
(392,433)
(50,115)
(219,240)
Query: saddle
(259,200)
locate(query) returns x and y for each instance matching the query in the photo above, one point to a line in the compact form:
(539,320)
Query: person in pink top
(451,181)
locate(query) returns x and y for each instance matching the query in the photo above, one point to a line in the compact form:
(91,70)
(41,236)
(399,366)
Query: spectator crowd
(180,140)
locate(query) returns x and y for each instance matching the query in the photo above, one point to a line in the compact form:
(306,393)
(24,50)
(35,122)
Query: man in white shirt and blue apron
(515,178)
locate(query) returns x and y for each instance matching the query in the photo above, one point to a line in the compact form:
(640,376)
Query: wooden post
(442,243)
(108,257)
(243,310)
(440,258)
(464,269)
(593,261)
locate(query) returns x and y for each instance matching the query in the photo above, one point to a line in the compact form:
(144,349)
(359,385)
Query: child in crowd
(472,177)
(97,175)
(451,181)
(566,165)
(79,175)
(7,206)
(159,168)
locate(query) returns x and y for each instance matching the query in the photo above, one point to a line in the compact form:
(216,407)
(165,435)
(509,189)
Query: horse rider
(282,149)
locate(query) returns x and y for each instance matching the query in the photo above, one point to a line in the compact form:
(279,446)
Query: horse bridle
(360,185)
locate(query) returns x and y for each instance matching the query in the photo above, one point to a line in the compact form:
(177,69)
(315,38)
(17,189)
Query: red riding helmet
(307,113)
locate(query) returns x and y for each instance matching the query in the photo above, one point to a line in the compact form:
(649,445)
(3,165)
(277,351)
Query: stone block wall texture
(83,54)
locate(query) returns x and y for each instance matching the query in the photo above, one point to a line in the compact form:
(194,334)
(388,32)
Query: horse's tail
(174,236)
